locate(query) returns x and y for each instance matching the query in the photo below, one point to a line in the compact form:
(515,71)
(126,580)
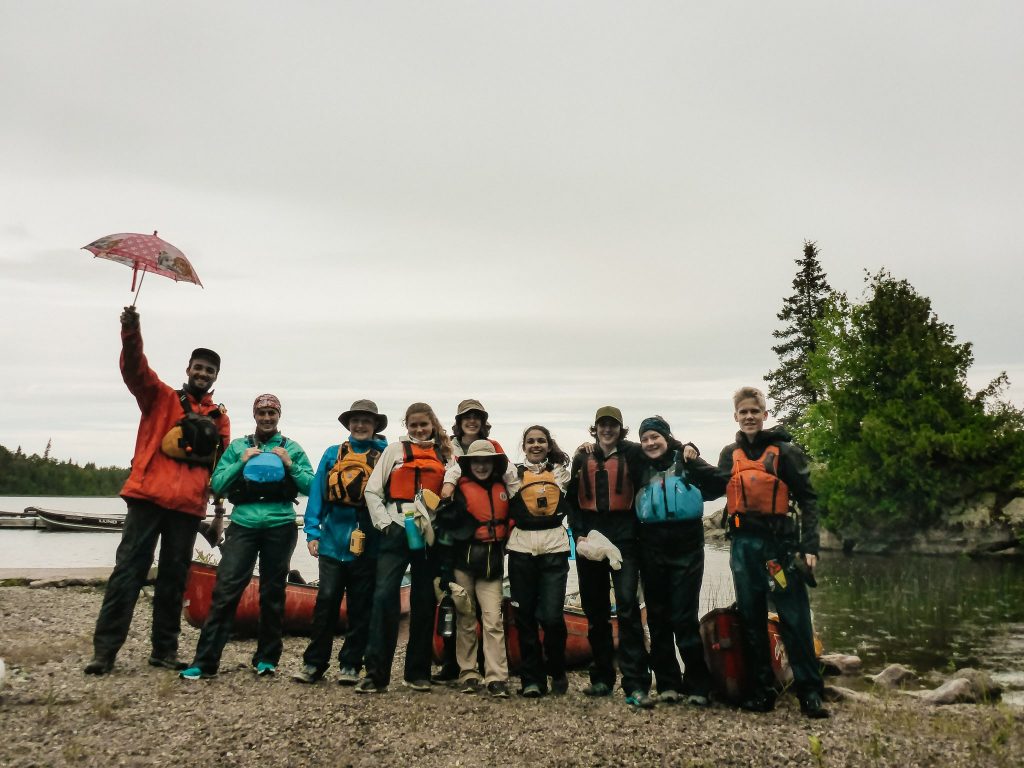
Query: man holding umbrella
(181,435)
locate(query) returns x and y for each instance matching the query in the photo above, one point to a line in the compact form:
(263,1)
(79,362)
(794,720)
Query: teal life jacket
(667,496)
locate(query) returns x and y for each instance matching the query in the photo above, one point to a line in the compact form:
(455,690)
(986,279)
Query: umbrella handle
(136,297)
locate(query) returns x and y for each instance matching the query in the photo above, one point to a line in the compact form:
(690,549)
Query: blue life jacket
(264,478)
(667,496)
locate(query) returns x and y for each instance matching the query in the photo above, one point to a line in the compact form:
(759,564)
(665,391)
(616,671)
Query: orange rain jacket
(156,477)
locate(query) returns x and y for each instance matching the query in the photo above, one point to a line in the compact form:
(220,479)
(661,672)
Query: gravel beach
(53,715)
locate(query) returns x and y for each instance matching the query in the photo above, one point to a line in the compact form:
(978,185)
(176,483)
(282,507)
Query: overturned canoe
(299,600)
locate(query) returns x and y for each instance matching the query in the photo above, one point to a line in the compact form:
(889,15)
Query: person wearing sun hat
(262,474)
(478,523)
(340,534)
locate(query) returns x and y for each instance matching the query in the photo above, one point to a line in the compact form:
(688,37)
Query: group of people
(459,517)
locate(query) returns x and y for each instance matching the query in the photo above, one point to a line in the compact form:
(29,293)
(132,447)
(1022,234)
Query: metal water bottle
(412,531)
(446,617)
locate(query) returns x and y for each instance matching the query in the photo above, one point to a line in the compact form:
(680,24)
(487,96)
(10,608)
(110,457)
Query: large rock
(838,693)
(1013,512)
(841,664)
(956,691)
(985,689)
(894,676)
(976,513)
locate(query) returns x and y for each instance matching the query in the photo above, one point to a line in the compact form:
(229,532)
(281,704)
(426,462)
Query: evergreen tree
(790,386)
(899,436)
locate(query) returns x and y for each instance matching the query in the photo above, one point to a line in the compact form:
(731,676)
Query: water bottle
(446,617)
(412,531)
(357,543)
(572,545)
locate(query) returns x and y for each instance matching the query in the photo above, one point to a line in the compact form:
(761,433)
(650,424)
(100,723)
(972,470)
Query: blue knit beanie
(656,423)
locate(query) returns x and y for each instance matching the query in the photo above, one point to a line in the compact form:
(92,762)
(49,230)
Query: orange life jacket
(346,480)
(539,492)
(755,487)
(598,473)
(488,506)
(422,468)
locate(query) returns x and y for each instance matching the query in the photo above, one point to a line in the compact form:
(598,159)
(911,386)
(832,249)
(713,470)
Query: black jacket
(794,471)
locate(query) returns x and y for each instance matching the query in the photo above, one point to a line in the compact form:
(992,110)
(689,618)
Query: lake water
(927,613)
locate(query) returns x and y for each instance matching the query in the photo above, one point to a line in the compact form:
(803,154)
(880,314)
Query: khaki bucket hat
(470,405)
(368,407)
(484,449)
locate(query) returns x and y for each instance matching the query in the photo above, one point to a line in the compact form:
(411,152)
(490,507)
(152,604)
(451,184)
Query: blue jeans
(143,525)
(273,547)
(392,561)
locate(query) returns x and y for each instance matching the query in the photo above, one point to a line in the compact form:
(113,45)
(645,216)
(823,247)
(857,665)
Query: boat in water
(62,520)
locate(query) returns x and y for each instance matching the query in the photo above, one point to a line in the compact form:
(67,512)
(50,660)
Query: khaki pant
(485,593)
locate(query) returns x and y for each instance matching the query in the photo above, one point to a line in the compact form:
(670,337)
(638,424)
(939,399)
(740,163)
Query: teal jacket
(265,514)
(331,523)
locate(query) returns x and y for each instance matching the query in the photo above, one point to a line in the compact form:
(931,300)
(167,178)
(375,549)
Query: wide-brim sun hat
(370,409)
(470,405)
(483,449)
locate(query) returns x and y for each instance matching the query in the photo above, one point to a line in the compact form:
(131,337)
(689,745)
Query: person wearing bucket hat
(477,522)
(262,474)
(181,434)
(538,561)
(414,463)
(470,425)
(340,534)
(669,505)
(600,496)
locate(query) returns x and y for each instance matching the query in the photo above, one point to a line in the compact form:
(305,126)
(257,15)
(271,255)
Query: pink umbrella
(145,253)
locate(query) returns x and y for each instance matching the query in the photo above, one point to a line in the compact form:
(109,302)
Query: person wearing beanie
(669,506)
(340,534)
(262,474)
(181,435)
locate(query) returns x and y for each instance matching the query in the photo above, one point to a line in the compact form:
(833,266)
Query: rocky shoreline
(53,715)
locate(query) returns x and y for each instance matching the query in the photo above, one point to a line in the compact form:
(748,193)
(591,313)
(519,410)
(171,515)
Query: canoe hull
(299,601)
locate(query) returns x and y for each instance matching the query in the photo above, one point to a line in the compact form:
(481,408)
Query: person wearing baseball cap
(167,493)
(603,478)
(340,534)
(262,475)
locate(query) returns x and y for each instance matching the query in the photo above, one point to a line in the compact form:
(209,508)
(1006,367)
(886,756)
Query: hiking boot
(420,686)
(195,673)
(498,689)
(758,704)
(559,685)
(811,706)
(308,674)
(265,668)
(532,691)
(448,673)
(167,661)
(669,697)
(348,676)
(99,665)
(597,689)
(640,700)
(470,686)
(366,685)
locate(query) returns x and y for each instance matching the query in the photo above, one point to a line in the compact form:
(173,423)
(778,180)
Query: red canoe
(299,600)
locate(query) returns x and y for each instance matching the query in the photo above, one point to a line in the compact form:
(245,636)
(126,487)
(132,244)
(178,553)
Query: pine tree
(790,386)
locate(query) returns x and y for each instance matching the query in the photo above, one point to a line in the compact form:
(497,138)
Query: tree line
(35,475)
(875,390)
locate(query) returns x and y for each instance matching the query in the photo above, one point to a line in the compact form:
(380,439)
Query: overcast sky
(549,206)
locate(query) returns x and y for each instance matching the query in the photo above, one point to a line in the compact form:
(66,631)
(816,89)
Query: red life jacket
(598,473)
(488,506)
(422,468)
(755,487)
